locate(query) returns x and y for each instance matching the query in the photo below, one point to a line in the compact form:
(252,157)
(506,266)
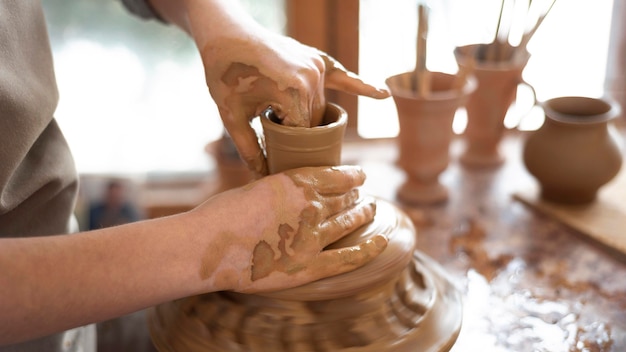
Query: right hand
(249,68)
(283,74)
(274,230)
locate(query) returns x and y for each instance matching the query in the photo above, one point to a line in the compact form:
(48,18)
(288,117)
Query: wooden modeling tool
(420,82)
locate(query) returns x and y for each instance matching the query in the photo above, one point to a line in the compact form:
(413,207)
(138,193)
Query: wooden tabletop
(529,282)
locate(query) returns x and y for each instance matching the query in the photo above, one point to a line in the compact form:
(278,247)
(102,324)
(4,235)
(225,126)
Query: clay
(425,133)
(576,151)
(488,104)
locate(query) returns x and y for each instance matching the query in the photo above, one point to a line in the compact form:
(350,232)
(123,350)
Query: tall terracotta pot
(487,106)
(401,301)
(426,133)
(576,151)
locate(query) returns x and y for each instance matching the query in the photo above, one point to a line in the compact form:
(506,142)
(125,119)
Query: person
(113,209)
(267,235)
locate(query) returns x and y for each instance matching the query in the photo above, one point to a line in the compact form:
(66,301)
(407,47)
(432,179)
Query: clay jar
(288,147)
(576,151)
(426,133)
(488,104)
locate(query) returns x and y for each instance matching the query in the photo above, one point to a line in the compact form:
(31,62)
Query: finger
(339,78)
(303,104)
(347,221)
(338,261)
(351,83)
(245,139)
(339,179)
(331,180)
(337,203)
(318,108)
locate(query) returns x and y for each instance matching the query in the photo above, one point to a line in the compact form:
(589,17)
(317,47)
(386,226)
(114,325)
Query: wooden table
(529,282)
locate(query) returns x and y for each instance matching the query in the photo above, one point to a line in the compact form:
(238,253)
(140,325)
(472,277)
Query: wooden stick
(421,81)
(505,48)
(492,49)
(525,20)
(528,35)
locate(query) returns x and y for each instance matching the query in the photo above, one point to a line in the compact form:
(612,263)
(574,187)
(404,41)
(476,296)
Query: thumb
(246,141)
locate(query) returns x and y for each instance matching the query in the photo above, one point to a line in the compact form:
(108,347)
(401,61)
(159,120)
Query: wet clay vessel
(488,104)
(425,133)
(289,147)
(577,149)
(401,301)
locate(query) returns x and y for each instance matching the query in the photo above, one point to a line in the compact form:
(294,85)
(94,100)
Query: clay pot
(488,104)
(289,147)
(400,301)
(426,133)
(576,151)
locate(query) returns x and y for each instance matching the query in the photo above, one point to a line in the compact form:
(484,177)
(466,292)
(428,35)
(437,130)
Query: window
(569,51)
(133,97)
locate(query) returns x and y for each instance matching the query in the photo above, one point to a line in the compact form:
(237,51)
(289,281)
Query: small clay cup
(289,147)
(576,151)
(426,132)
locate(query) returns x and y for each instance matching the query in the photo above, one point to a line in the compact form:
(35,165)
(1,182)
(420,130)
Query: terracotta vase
(401,301)
(488,104)
(576,151)
(426,133)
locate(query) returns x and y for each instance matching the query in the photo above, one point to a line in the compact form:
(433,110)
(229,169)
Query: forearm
(268,235)
(203,19)
(49,284)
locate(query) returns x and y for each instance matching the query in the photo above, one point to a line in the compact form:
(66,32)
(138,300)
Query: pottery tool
(493,49)
(420,82)
(529,34)
(500,49)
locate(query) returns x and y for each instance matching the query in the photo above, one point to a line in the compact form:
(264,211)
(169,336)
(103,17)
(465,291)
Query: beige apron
(38,181)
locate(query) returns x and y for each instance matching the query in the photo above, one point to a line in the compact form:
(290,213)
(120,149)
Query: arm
(49,284)
(249,68)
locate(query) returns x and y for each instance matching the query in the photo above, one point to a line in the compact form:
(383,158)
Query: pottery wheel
(401,301)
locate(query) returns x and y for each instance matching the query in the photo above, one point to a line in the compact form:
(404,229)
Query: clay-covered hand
(278,226)
(249,68)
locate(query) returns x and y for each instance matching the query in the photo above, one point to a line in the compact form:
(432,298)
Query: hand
(282,73)
(249,68)
(278,227)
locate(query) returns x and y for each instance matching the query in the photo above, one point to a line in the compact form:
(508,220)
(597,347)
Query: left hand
(271,234)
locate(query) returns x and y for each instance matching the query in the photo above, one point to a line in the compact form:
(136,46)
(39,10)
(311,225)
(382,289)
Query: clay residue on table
(469,240)
(529,283)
